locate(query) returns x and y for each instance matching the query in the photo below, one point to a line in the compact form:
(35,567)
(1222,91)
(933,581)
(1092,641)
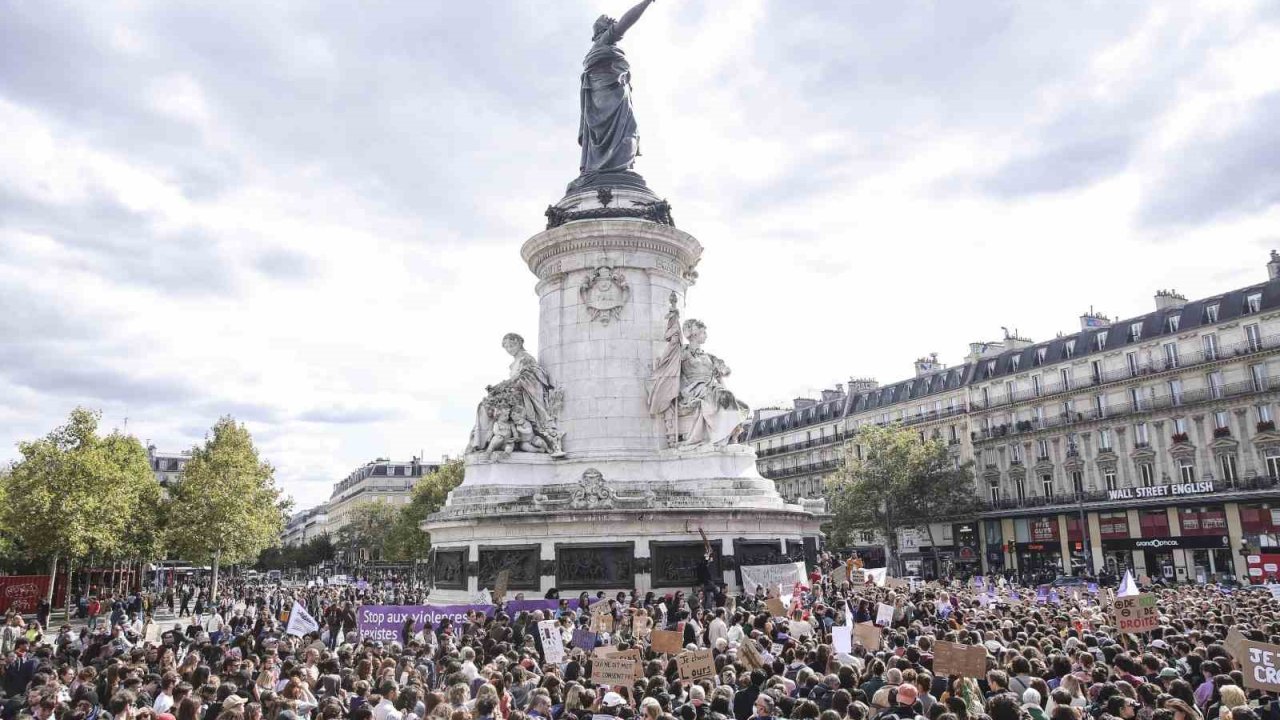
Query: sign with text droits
(1135,613)
(614,671)
(695,665)
(1260,664)
(667,641)
(955,659)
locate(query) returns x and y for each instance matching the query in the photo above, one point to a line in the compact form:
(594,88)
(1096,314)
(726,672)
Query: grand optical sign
(1156,491)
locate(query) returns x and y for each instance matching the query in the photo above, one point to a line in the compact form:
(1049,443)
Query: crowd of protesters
(1048,658)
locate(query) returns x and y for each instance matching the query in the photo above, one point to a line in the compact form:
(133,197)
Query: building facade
(1147,443)
(306,525)
(380,480)
(167,466)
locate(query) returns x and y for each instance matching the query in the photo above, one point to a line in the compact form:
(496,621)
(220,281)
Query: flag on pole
(300,621)
(1127,585)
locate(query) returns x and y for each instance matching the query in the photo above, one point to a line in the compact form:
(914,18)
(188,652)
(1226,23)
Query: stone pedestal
(621,509)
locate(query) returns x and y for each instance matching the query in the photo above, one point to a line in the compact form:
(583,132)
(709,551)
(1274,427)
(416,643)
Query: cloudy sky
(308,214)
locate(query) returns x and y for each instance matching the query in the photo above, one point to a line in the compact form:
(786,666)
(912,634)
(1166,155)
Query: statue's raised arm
(629,18)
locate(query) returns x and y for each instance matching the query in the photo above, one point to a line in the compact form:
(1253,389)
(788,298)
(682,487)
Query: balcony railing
(833,438)
(1146,404)
(780,473)
(1183,360)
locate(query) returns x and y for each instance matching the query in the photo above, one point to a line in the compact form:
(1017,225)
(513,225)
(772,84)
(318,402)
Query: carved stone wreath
(604,293)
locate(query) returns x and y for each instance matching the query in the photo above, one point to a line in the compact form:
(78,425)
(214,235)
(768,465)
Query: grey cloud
(1079,161)
(348,416)
(1218,178)
(285,264)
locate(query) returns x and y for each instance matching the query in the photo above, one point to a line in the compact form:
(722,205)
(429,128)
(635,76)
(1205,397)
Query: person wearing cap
(612,703)
(902,705)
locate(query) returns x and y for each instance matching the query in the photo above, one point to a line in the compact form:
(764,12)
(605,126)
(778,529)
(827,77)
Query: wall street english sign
(1155,491)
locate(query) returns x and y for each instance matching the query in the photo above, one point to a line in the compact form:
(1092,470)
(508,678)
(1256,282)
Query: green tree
(369,524)
(74,493)
(898,482)
(226,507)
(407,540)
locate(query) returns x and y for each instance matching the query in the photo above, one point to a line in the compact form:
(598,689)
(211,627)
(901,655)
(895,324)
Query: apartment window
(1170,355)
(953,434)
(1258,374)
(1264,413)
(991,368)
(1273,465)
(1036,389)
(1175,392)
(1039,414)
(1020,486)
(1227,462)
(1015,361)
(1096,370)
(1214,382)
(1077,482)
(986,397)
(1015,453)
(1180,426)
(1253,302)
(1066,408)
(994,490)
(1146,474)
(1135,332)
(1040,355)
(1220,420)
(1135,398)
(1100,405)
(1100,340)
(1065,376)
(1171,324)
(1042,448)
(1187,471)
(1008,390)
(1131,359)
(1069,349)
(1046,483)
(1211,313)
(1140,434)
(1109,478)
(1104,439)
(1210,342)
(1254,336)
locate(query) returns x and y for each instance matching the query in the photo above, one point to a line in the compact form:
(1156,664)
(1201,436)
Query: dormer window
(991,368)
(1100,340)
(1069,350)
(1015,361)
(1253,303)
(1171,324)
(1211,313)
(1040,355)
(1135,332)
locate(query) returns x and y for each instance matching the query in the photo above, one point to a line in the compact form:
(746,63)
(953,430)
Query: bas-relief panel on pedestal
(450,569)
(756,552)
(675,564)
(521,560)
(595,566)
(604,292)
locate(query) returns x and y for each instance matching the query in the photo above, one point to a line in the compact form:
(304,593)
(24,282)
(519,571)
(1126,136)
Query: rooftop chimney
(977,350)
(799,403)
(1273,266)
(829,395)
(1169,299)
(929,364)
(861,385)
(1093,319)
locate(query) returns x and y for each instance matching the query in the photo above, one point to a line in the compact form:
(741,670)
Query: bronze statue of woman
(607,131)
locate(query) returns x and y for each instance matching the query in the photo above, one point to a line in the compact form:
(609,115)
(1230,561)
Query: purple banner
(383,622)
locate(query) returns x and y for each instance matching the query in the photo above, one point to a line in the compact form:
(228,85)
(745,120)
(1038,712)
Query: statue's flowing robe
(665,383)
(607,132)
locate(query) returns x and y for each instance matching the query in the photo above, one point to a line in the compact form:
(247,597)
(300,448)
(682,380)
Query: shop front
(1204,556)
(995,546)
(1039,549)
(966,547)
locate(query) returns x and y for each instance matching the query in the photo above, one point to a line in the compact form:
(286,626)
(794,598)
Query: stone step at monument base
(611,549)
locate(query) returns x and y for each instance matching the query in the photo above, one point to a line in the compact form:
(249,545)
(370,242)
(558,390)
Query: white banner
(300,621)
(884,614)
(786,575)
(552,641)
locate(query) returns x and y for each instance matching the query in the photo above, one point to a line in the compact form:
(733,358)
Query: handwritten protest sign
(552,641)
(770,576)
(584,638)
(884,614)
(775,649)
(867,635)
(602,623)
(641,625)
(775,607)
(955,659)
(749,654)
(614,671)
(1236,644)
(695,665)
(799,628)
(1260,664)
(1135,613)
(599,606)
(842,639)
(667,641)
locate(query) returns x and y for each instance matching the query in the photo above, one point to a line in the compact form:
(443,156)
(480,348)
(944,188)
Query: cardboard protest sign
(897,584)
(1135,613)
(641,625)
(584,638)
(695,665)
(500,585)
(614,671)
(1260,664)
(552,641)
(602,623)
(1236,644)
(867,635)
(842,639)
(749,654)
(955,659)
(667,641)
(857,576)
(799,628)
(884,614)
(775,649)
(599,606)
(775,607)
